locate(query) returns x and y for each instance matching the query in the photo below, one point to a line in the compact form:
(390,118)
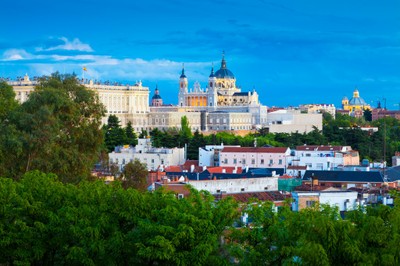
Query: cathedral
(219,106)
(356,105)
(221,90)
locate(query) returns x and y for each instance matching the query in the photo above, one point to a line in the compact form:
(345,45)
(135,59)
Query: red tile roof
(191,162)
(228,169)
(173,168)
(256,149)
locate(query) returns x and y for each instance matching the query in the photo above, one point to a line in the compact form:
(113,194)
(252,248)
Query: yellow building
(356,103)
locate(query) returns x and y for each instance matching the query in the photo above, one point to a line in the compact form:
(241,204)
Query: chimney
(223,170)
(192,168)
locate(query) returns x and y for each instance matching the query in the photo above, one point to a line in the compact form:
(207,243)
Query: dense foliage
(56,130)
(318,236)
(115,135)
(46,222)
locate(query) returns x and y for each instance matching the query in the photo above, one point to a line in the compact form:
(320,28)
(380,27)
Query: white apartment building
(145,153)
(230,186)
(344,200)
(209,155)
(322,157)
(255,157)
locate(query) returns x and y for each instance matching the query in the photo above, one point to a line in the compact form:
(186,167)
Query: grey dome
(223,72)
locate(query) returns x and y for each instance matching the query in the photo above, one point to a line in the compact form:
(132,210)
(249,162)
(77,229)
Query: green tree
(135,175)
(185,133)
(156,138)
(196,142)
(131,137)
(10,142)
(367,115)
(7,100)
(115,135)
(143,134)
(58,127)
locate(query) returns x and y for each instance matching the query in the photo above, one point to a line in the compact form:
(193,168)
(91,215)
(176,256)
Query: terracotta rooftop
(173,168)
(191,162)
(256,149)
(228,169)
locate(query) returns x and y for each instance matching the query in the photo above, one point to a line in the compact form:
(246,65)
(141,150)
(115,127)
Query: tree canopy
(56,130)
(46,222)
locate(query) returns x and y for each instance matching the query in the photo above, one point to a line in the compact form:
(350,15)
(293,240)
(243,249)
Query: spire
(223,62)
(183,71)
(212,71)
(156,90)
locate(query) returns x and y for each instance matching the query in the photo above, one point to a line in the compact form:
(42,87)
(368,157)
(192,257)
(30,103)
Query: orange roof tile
(228,169)
(173,168)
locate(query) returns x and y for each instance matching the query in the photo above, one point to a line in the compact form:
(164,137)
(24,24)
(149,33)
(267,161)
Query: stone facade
(152,157)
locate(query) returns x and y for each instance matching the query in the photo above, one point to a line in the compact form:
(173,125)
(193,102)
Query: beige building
(127,102)
(290,120)
(318,108)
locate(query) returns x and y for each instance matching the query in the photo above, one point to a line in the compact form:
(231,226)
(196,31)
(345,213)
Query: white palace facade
(220,106)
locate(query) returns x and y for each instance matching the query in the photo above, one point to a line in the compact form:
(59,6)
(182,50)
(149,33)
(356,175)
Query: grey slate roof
(345,176)
(393,173)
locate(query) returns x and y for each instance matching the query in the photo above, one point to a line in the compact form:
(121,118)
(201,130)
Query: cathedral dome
(156,96)
(156,100)
(223,72)
(357,100)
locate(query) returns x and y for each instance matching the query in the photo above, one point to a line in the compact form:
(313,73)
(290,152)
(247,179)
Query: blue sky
(292,52)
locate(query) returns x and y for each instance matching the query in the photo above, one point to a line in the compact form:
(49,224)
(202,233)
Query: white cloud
(104,67)
(74,45)
(16,54)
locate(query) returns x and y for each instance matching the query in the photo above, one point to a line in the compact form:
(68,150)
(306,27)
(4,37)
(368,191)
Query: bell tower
(212,89)
(183,88)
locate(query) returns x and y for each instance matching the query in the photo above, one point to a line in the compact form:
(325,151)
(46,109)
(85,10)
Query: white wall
(344,200)
(339,199)
(236,185)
